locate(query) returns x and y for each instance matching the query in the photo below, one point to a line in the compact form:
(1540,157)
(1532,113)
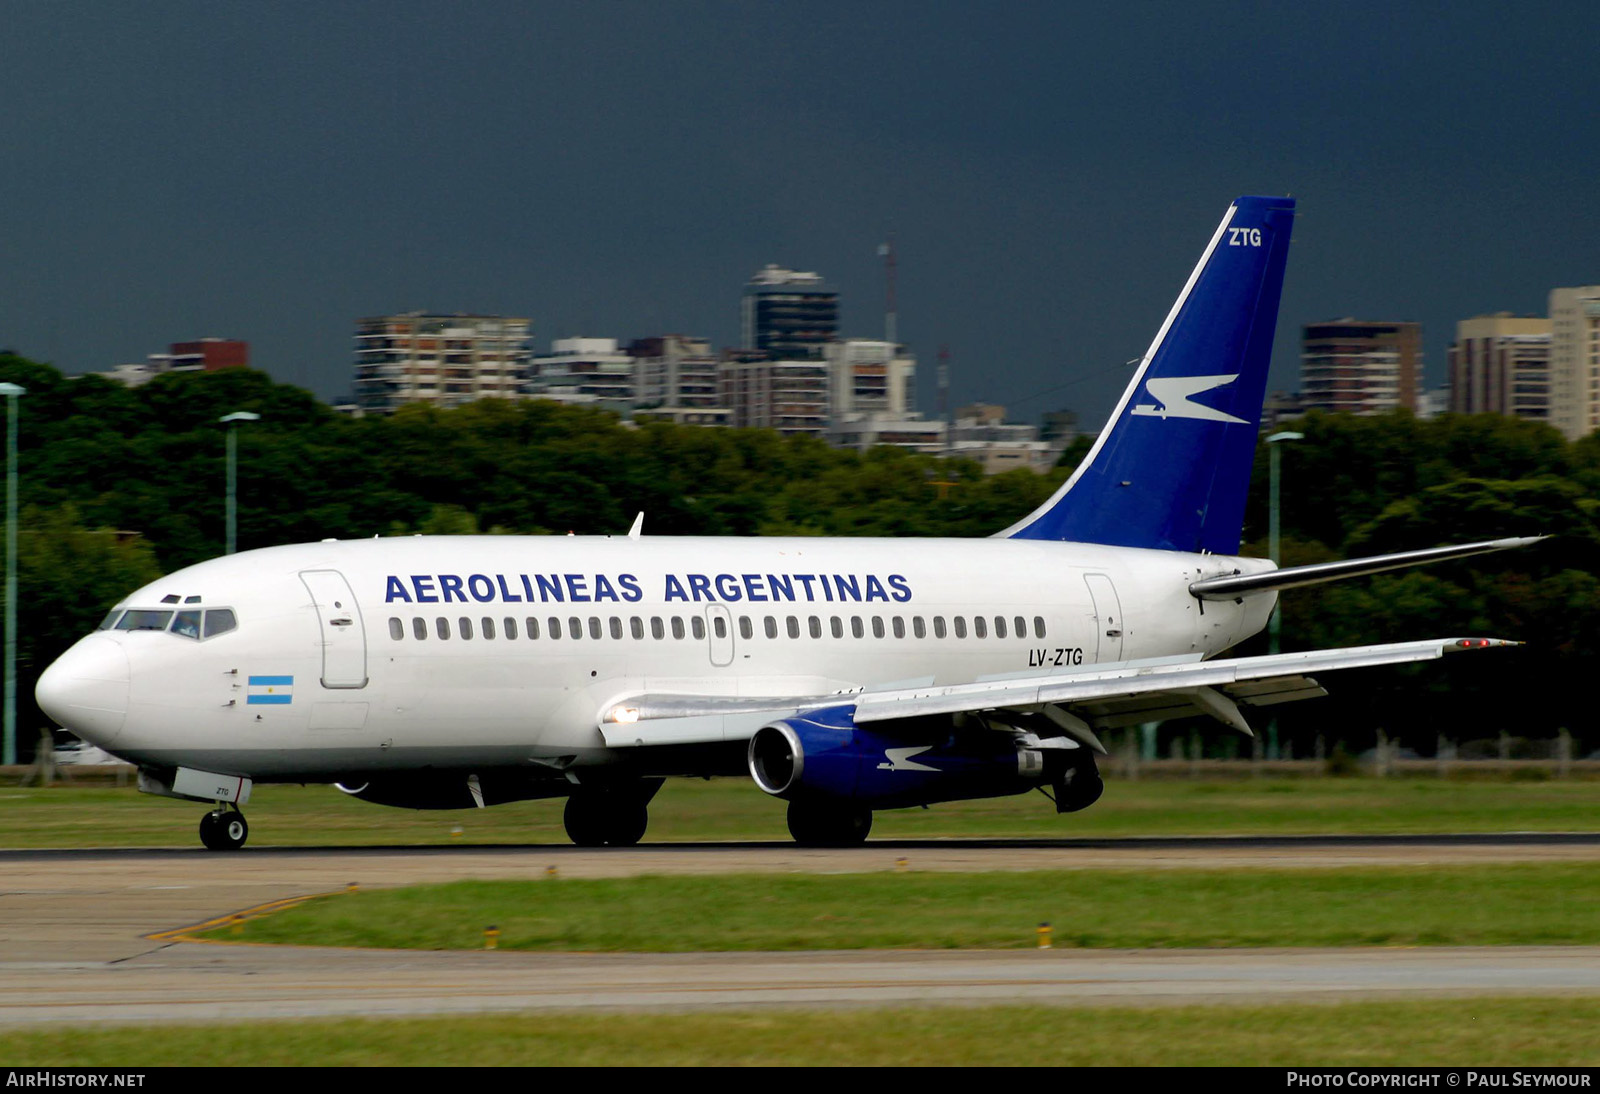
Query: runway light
(491,937)
(1044,936)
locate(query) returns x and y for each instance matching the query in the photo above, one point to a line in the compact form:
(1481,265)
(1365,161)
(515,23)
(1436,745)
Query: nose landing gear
(223,830)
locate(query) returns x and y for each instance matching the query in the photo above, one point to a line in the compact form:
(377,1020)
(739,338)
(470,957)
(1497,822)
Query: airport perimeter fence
(1132,756)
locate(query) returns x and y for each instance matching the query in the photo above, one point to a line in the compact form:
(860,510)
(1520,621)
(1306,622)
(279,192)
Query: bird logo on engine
(900,759)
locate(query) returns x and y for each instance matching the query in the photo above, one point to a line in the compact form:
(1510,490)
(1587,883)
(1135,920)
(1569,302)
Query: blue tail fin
(1172,467)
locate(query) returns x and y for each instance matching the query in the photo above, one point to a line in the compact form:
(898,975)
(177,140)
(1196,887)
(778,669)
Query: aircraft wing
(1076,704)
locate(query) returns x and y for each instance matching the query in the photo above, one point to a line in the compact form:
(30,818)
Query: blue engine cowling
(822,753)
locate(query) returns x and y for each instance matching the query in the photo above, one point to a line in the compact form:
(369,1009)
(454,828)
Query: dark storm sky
(273,171)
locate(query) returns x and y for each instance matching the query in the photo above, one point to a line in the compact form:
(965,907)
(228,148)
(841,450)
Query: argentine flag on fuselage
(270,691)
(1172,467)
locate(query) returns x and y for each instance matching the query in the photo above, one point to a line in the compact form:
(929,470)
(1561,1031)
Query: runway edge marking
(255,911)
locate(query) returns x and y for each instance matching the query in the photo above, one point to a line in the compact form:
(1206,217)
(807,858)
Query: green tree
(68,576)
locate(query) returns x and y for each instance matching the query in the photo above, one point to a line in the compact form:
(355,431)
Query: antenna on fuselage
(638,526)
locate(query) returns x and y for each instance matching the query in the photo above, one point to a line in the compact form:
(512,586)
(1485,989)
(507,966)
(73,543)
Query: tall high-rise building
(1500,364)
(788,314)
(1575,360)
(445,360)
(1361,366)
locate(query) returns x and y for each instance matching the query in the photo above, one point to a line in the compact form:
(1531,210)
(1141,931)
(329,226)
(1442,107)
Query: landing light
(625,715)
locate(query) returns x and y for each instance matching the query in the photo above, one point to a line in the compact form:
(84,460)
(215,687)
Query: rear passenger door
(1107,616)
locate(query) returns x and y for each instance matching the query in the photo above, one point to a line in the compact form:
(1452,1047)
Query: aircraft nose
(86,689)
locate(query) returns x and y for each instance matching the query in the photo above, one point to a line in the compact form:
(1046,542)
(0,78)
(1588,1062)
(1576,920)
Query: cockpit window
(144,619)
(193,623)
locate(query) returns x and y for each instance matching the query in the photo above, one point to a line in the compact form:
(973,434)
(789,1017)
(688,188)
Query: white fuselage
(394,654)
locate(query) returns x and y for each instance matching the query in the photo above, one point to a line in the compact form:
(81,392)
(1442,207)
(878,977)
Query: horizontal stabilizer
(1233,586)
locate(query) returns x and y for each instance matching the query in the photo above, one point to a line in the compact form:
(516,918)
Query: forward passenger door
(344,637)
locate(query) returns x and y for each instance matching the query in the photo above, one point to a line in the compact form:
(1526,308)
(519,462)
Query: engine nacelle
(824,754)
(453,789)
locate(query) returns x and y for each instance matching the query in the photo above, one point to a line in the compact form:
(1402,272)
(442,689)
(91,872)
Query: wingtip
(1457,644)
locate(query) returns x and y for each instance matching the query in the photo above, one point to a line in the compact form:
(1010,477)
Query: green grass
(733,809)
(1444,1033)
(1532,904)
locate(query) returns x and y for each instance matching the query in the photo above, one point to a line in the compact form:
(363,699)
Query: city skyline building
(199,355)
(1500,364)
(1361,366)
(444,360)
(583,371)
(790,396)
(980,432)
(788,313)
(1575,360)
(926,435)
(675,379)
(1280,406)
(870,376)
(206,355)
(873,395)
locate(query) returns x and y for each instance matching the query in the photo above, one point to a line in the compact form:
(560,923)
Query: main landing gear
(223,830)
(610,816)
(1078,786)
(815,823)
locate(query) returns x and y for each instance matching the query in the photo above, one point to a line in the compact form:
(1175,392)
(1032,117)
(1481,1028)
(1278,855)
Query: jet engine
(824,754)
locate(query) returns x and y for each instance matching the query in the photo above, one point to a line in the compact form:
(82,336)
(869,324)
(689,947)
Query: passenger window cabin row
(595,628)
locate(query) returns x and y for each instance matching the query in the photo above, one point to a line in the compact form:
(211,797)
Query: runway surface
(73,927)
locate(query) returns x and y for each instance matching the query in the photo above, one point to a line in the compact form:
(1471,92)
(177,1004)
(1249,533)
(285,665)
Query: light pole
(232,422)
(12,392)
(1273,548)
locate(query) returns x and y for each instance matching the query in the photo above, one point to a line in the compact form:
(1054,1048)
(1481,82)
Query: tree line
(119,485)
